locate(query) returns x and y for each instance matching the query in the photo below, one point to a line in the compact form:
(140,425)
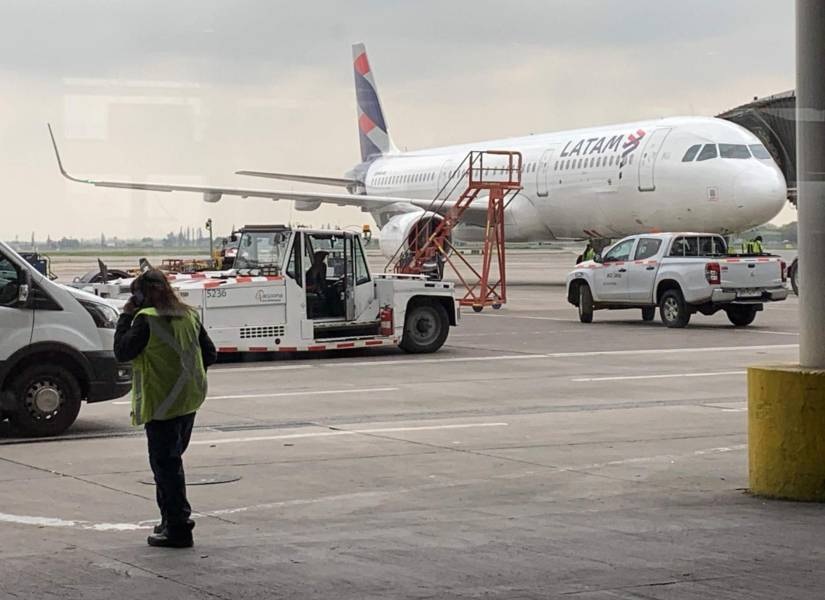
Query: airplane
(668,174)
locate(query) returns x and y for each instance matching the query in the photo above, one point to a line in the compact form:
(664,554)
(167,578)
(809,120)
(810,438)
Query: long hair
(158,294)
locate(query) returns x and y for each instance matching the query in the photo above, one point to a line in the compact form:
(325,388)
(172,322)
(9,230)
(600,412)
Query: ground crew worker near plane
(169,350)
(589,253)
(754,246)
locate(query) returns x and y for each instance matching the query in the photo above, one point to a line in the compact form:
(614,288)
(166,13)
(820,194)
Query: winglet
(60,162)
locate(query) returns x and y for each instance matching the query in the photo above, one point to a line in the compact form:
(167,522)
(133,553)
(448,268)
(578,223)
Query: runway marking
(286,394)
(662,376)
(225,370)
(305,393)
(343,432)
(405,361)
(660,457)
(767,332)
(528,317)
(78,524)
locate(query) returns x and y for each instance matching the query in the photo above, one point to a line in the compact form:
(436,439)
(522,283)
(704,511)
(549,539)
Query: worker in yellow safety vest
(754,246)
(169,350)
(589,252)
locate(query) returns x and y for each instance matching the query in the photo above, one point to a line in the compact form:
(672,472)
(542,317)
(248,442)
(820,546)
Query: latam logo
(586,147)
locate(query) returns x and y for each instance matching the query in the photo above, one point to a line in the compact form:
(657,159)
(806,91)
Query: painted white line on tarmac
(342,432)
(409,361)
(230,370)
(77,524)
(767,332)
(658,458)
(661,376)
(524,317)
(305,393)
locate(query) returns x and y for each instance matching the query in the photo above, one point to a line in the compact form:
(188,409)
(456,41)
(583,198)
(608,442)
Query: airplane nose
(761,193)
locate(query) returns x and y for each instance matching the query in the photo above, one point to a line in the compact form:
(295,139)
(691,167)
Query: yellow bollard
(786,432)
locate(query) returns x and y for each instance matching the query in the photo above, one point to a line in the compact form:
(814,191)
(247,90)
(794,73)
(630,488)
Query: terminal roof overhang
(773,120)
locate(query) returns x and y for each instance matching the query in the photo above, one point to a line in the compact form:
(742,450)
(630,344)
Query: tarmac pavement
(533,457)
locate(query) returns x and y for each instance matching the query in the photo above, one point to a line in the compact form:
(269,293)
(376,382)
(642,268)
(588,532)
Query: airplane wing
(336,181)
(214,194)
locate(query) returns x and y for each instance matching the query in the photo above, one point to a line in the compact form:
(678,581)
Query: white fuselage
(608,182)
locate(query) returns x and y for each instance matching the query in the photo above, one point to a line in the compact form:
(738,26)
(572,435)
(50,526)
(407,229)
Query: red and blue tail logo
(372,128)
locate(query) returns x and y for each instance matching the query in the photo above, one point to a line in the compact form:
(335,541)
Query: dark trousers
(168,441)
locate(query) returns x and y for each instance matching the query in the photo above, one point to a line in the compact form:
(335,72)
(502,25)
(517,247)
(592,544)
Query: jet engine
(401,230)
(306,205)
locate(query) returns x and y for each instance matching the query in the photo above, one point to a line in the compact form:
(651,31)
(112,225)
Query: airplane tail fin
(372,128)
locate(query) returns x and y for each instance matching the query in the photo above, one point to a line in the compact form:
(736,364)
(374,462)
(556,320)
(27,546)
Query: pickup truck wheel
(585,304)
(673,310)
(741,316)
(648,313)
(47,401)
(425,328)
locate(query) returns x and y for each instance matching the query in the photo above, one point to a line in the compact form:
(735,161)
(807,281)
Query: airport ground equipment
(495,175)
(681,274)
(55,349)
(41,262)
(270,303)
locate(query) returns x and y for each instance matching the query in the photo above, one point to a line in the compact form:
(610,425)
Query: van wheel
(47,400)
(741,316)
(585,304)
(648,313)
(425,327)
(673,310)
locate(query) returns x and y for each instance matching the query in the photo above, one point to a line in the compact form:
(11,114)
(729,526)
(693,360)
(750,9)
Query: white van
(55,349)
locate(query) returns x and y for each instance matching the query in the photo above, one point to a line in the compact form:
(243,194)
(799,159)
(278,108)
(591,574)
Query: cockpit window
(691,153)
(759,151)
(734,151)
(708,152)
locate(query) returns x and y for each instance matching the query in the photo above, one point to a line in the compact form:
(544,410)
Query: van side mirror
(24,290)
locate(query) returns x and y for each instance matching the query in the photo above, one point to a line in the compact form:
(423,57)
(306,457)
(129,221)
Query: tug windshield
(262,250)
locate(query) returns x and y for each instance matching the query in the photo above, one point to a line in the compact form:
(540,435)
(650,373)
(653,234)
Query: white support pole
(810,144)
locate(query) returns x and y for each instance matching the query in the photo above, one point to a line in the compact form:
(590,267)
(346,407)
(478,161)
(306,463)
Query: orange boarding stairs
(495,174)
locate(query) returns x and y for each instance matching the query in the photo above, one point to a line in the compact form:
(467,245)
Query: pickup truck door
(610,279)
(16,321)
(642,270)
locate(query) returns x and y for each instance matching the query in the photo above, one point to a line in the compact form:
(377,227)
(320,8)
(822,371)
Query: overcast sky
(192,90)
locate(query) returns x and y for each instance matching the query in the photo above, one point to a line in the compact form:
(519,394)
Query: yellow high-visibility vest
(168,377)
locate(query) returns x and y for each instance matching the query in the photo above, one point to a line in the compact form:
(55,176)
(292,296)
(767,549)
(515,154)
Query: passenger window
(647,247)
(9,278)
(362,273)
(708,152)
(734,151)
(684,246)
(620,252)
(691,153)
(712,246)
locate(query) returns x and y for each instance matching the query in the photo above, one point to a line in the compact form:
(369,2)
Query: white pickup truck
(681,273)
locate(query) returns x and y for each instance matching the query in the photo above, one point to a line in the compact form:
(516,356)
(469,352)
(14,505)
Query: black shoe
(163,540)
(161,527)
